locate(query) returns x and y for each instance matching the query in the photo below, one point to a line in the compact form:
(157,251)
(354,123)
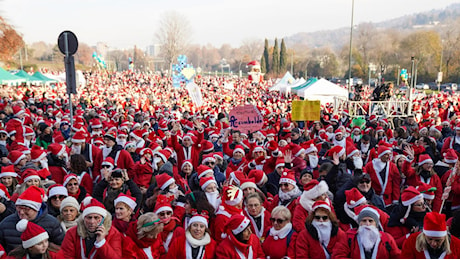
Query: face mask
(313,159)
(76,149)
(358,162)
(121,142)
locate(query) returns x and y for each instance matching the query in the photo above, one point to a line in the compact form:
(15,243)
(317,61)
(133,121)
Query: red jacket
(413,179)
(227,249)
(410,252)
(266,223)
(193,153)
(399,233)
(310,248)
(123,160)
(279,248)
(167,238)
(350,247)
(86,182)
(276,202)
(178,249)
(73,246)
(57,173)
(389,187)
(143,174)
(299,217)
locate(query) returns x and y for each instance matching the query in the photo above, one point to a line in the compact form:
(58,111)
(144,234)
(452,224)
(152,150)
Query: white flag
(195,93)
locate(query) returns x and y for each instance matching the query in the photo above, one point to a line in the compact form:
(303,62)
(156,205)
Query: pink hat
(31,233)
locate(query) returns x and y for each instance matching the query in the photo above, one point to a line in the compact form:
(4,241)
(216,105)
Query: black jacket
(10,238)
(10,208)
(108,198)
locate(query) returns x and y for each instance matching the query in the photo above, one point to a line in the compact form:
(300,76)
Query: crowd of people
(140,171)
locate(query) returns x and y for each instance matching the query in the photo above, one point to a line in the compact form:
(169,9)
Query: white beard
(44,164)
(214,199)
(140,143)
(76,149)
(365,148)
(105,151)
(313,159)
(121,142)
(156,160)
(368,236)
(358,162)
(3,143)
(324,231)
(26,143)
(294,193)
(342,142)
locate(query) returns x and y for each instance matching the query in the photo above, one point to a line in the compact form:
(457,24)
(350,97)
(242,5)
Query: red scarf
(143,242)
(232,210)
(168,228)
(121,225)
(76,195)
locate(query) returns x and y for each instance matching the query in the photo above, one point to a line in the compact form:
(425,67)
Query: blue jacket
(10,238)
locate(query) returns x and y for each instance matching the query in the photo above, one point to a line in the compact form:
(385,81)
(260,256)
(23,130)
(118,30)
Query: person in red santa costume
(257,214)
(288,192)
(240,243)
(94,236)
(238,162)
(255,76)
(322,232)
(434,242)
(232,204)
(190,147)
(280,239)
(452,142)
(122,158)
(92,154)
(34,242)
(385,176)
(367,242)
(197,242)
(172,227)
(423,174)
(313,191)
(145,233)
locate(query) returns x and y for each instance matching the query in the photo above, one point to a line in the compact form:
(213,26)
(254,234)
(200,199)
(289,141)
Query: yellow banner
(306,110)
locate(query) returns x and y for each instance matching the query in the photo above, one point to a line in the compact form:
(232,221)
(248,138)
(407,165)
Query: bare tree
(253,48)
(173,35)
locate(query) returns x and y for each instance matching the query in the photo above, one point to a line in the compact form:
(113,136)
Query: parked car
(422,86)
(452,86)
(433,85)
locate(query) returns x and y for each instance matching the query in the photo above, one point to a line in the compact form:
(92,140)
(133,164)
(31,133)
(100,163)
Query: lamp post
(351,41)
(439,79)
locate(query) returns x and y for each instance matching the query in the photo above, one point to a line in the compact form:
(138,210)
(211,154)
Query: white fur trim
(279,164)
(435,233)
(425,161)
(94,210)
(428,196)
(162,156)
(73,140)
(248,184)
(287,180)
(29,203)
(203,187)
(107,163)
(310,149)
(39,158)
(8,174)
(352,153)
(205,172)
(167,183)
(384,152)
(59,190)
(164,208)
(342,152)
(238,150)
(23,156)
(131,203)
(317,191)
(236,200)
(322,206)
(243,225)
(258,149)
(450,161)
(28,178)
(413,200)
(199,219)
(356,203)
(207,159)
(35,240)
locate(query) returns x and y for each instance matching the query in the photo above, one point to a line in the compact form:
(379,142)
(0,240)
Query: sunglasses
(165,213)
(321,217)
(209,163)
(60,197)
(284,185)
(106,166)
(366,181)
(277,220)
(72,184)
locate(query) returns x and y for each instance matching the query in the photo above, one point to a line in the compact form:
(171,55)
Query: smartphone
(102,222)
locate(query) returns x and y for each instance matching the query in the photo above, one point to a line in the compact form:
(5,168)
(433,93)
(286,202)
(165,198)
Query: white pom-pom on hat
(21,226)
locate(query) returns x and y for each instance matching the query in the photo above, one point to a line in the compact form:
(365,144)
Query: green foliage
(283,56)
(276,59)
(266,57)
(263,69)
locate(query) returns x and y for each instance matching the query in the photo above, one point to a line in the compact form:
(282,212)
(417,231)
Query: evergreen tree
(283,57)
(276,59)
(263,69)
(266,58)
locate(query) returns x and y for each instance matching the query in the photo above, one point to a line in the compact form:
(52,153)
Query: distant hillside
(434,19)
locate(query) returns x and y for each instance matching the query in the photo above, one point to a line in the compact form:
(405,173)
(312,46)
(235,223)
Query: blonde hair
(156,228)
(421,244)
(283,211)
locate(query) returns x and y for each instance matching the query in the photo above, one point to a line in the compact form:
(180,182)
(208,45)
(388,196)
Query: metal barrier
(388,109)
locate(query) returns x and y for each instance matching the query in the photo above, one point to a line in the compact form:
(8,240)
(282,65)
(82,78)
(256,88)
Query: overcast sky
(123,23)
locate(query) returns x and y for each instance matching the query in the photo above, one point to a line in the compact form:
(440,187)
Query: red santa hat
(239,148)
(237,224)
(164,180)
(30,174)
(163,154)
(424,158)
(201,217)
(279,162)
(248,183)
(218,155)
(95,123)
(259,176)
(202,170)
(354,198)
(208,158)
(145,151)
(236,177)
(351,150)
(207,146)
(232,195)
(29,131)
(37,153)
(382,150)
(79,137)
(258,148)
(109,162)
(69,177)
(321,204)
(128,200)
(426,190)
(57,149)
(314,189)
(288,176)
(409,196)
(8,171)
(4,192)
(186,162)
(450,156)
(372,118)
(31,233)
(16,156)
(91,205)
(434,225)
(32,197)
(17,111)
(296,149)
(163,203)
(339,150)
(57,189)
(310,147)
(205,181)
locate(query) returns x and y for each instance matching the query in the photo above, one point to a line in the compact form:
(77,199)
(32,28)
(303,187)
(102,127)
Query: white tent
(324,91)
(281,85)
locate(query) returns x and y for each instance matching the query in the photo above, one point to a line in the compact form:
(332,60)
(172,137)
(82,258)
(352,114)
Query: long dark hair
(78,164)
(199,201)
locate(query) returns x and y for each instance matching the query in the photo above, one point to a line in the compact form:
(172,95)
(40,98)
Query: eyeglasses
(209,163)
(365,181)
(60,197)
(321,217)
(253,205)
(277,220)
(284,185)
(422,205)
(72,184)
(165,213)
